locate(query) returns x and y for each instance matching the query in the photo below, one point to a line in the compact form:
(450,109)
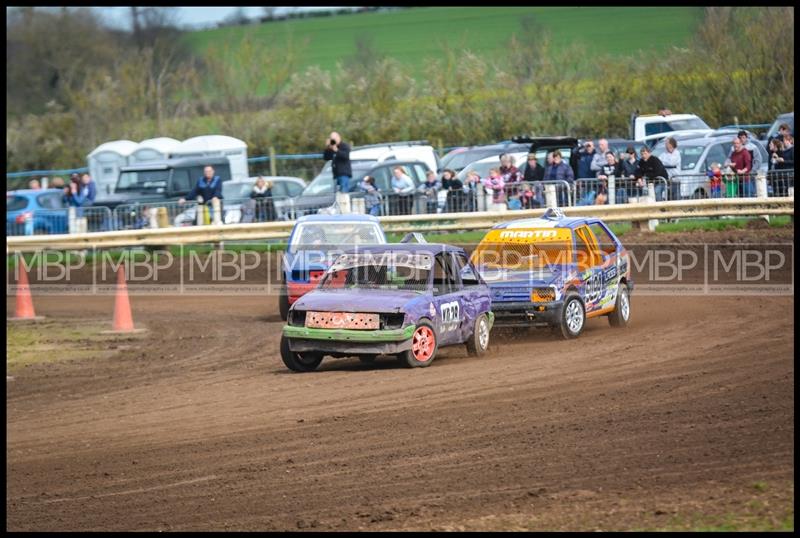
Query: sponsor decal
(527,234)
(432,310)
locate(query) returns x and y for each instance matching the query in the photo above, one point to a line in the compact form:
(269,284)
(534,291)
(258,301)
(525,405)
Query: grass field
(413,35)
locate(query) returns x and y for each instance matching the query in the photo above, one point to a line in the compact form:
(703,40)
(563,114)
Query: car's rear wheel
(299,362)
(573,317)
(283,303)
(478,341)
(622,309)
(424,345)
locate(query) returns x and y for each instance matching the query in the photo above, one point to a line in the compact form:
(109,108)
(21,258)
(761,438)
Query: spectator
(455,192)
(671,159)
(431,189)
(599,158)
(34,185)
(786,160)
(57,183)
(532,171)
(782,160)
(549,160)
(403,187)
(373,197)
(715,180)
(208,188)
(560,171)
(528,200)
(613,170)
(495,184)
(338,153)
(755,154)
(650,169)
(84,193)
(783,131)
(471,189)
(741,164)
(629,163)
(509,173)
(264,204)
(585,160)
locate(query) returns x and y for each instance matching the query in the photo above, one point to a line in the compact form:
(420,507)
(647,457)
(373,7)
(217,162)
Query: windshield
(327,236)
(142,180)
(689,155)
(524,250)
(692,123)
(233,190)
(382,270)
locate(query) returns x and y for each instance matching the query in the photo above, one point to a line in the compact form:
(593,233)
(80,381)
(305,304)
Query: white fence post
(343,202)
(761,190)
(550,198)
(612,191)
(215,206)
(358,205)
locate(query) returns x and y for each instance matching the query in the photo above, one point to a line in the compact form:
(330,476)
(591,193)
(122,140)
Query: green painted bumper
(349,335)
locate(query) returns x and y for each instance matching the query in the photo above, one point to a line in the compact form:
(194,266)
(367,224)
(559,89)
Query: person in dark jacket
(455,192)
(338,153)
(585,159)
(560,171)
(207,188)
(650,167)
(532,172)
(264,204)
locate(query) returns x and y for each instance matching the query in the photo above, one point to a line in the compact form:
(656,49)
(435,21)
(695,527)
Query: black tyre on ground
(283,303)
(621,314)
(299,362)
(478,342)
(573,317)
(424,345)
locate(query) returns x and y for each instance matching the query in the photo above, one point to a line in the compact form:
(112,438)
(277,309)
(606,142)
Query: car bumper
(295,290)
(349,341)
(526,313)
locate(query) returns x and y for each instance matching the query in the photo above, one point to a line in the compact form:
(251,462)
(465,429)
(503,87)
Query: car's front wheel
(573,317)
(622,310)
(424,345)
(299,362)
(478,341)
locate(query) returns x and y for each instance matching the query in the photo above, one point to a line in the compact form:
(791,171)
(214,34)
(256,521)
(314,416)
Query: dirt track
(204,428)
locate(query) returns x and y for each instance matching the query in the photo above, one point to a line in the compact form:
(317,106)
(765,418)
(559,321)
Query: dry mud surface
(198,425)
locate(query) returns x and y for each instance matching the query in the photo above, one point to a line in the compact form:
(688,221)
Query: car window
(279,189)
(181,182)
(420,172)
(15,203)
(584,249)
(656,128)
(716,154)
(468,276)
(382,177)
(444,278)
(293,189)
(604,241)
(51,200)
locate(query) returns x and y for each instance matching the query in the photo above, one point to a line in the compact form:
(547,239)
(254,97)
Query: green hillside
(412,35)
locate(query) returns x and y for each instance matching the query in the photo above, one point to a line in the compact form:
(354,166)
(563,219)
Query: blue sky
(190,16)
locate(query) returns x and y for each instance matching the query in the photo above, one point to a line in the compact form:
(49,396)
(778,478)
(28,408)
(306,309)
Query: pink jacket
(495,184)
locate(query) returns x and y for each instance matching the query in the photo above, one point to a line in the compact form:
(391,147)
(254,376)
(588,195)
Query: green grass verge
(30,343)
(414,35)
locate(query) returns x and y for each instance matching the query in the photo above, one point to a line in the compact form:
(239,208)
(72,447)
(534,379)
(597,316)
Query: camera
(332,142)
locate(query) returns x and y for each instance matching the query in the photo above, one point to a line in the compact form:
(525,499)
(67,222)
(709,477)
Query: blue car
(40,211)
(315,241)
(399,299)
(555,271)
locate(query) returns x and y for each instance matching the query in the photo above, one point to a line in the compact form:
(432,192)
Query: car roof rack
(553,213)
(416,237)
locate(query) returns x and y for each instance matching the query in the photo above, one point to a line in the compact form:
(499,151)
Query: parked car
(33,212)
(401,300)
(617,145)
(315,241)
(235,192)
(542,145)
(459,158)
(787,118)
(319,194)
(555,272)
(161,181)
(483,166)
(651,128)
(697,155)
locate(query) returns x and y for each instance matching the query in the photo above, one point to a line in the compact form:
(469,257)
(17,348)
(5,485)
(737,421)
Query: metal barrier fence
(536,194)
(780,183)
(594,191)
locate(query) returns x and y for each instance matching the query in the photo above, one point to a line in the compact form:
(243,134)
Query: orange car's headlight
(543,295)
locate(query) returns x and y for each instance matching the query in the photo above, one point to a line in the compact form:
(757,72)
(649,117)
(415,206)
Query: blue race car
(315,241)
(35,211)
(400,299)
(555,271)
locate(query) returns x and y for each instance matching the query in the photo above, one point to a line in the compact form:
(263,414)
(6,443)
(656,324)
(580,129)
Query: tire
(573,317)
(622,309)
(306,362)
(478,341)
(283,303)
(424,345)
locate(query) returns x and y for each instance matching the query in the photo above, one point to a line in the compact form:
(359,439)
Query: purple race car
(399,299)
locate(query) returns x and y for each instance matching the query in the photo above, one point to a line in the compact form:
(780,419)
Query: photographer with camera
(338,153)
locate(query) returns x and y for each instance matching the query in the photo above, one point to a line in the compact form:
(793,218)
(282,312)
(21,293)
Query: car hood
(517,285)
(377,301)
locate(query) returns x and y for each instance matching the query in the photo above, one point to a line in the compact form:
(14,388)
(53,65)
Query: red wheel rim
(423,343)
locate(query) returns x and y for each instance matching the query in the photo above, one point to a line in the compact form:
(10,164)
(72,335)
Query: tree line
(72,84)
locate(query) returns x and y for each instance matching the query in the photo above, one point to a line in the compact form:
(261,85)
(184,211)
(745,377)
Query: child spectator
(430,189)
(373,197)
(495,184)
(715,180)
(527,199)
(471,190)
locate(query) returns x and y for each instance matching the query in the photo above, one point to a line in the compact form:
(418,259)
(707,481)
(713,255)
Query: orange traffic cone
(24,309)
(123,321)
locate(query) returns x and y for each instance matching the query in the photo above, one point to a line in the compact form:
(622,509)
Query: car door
(475,294)
(448,302)
(612,267)
(590,270)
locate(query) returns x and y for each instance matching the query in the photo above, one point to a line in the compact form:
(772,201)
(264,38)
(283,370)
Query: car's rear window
(51,200)
(15,203)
